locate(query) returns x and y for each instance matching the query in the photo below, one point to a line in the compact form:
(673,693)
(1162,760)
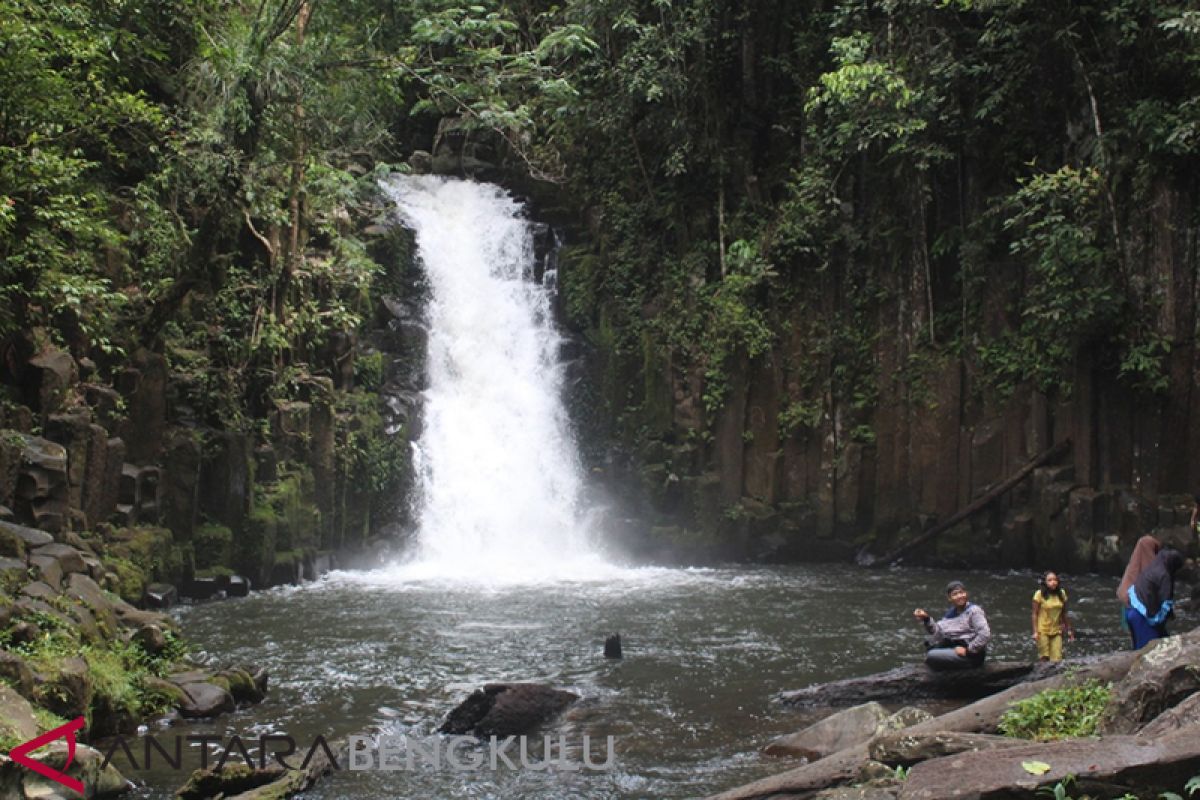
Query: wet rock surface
(506,709)
(1109,767)
(836,732)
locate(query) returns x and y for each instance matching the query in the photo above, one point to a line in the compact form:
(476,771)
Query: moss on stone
(297,515)
(159,695)
(254,547)
(8,737)
(282,520)
(11,580)
(153,551)
(230,780)
(213,545)
(239,683)
(113,687)
(131,580)
(117,700)
(47,720)
(11,545)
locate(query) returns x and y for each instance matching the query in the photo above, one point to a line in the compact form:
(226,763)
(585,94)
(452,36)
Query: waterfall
(499,480)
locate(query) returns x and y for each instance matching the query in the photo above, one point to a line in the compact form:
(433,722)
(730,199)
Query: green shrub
(1057,713)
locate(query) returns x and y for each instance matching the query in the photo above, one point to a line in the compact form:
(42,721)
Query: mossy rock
(288,785)
(254,548)
(64,687)
(153,550)
(161,695)
(116,693)
(129,580)
(240,684)
(17,721)
(213,546)
(13,575)
(297,517)
(232,779)
(11,545)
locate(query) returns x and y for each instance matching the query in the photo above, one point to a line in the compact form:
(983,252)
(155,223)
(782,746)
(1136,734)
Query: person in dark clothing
(1152,598)
(960,639)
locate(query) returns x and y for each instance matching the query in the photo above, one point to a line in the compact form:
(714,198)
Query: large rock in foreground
(1103,767)
(86,765)
(837,732)
(1165,673)
(506,709)
(844,729)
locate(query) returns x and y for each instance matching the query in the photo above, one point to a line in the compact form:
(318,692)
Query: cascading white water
(499,480)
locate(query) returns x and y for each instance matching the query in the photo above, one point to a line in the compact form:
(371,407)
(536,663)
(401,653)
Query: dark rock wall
(277,502)
(744,483)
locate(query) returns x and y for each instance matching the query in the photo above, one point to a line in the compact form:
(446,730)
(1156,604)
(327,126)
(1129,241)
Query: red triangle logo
(18,754)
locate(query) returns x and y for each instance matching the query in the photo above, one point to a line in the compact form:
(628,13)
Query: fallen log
(976,506)
(919,682)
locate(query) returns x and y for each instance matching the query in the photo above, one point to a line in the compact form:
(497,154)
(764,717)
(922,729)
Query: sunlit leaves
(865,99)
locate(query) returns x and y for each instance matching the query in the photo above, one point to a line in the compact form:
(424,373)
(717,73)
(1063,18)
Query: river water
(689,705)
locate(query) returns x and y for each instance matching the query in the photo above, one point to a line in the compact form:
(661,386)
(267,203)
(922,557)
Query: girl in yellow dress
(1050,620)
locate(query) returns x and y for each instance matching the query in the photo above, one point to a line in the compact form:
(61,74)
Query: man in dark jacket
(960,639)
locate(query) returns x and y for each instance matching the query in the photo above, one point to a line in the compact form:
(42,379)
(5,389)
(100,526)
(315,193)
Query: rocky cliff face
(796,464)
(95,453)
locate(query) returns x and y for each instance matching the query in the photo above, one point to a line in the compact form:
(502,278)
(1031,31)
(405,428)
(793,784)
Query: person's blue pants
(1140,629)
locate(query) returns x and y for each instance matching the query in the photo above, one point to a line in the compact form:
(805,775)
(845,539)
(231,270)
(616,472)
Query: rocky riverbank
(135,478)
(74,647)
(1147,740)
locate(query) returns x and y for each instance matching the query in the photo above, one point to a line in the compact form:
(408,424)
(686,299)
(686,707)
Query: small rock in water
(612,646)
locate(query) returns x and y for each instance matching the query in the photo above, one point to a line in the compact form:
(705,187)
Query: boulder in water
(506,709)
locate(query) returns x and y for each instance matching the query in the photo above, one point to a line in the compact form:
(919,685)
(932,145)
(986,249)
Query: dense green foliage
(1058,713)
(964,178)
(975,170)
